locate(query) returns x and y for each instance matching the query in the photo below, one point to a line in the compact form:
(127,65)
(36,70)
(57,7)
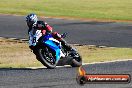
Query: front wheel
(47,57)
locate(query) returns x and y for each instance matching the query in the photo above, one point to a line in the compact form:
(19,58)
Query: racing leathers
(41,28)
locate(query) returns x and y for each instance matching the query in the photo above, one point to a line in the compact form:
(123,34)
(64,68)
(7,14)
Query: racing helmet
(31,19)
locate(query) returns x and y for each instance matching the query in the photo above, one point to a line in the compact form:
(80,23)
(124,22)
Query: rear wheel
(77,59)
(47,57)
(76,63)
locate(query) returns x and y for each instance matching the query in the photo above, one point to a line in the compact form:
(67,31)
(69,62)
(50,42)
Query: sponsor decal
(83,77)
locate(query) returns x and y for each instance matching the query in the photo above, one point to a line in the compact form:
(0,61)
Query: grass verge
(16,54)
(93,9)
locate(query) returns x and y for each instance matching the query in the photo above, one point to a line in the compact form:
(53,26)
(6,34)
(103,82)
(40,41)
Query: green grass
(90,9)
(94,54)
(15,54)
(18,55)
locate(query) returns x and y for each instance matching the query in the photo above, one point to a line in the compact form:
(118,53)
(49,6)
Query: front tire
(47,57)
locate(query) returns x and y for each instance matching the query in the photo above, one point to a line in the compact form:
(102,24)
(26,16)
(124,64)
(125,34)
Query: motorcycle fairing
(49,40)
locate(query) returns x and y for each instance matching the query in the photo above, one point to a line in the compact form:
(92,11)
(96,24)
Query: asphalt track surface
(80,32)
(64,77)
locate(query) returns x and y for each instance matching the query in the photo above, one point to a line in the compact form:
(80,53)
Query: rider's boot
(66,45)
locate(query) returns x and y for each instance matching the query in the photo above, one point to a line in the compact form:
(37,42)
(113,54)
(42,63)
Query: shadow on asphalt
(11,68)
(4,69)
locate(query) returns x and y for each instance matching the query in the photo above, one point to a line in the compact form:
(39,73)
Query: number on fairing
(34,40)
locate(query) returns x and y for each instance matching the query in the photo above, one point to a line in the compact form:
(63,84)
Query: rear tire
(76,63)
(77,59)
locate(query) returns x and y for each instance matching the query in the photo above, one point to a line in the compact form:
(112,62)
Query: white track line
(83,64)
(46,67)
(107,61)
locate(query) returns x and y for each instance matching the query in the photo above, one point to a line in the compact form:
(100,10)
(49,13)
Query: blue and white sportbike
(51,53)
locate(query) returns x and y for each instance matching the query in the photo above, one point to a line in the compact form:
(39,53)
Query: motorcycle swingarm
(65,61)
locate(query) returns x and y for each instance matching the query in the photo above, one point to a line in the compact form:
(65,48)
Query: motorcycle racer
(39,28)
